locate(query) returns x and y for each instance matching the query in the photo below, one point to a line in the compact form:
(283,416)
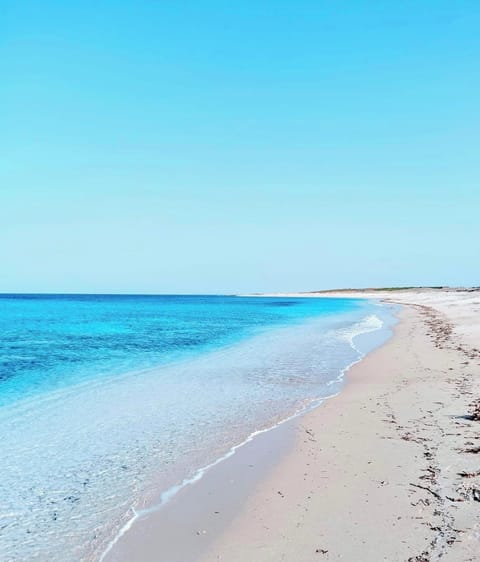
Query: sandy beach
(240,289)
(387,470)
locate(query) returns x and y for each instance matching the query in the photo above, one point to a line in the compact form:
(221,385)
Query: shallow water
(107,400)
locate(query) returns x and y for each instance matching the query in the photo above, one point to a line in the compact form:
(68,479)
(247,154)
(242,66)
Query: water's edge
(363,343)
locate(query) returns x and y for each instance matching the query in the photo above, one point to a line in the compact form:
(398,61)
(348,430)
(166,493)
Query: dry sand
(387,470)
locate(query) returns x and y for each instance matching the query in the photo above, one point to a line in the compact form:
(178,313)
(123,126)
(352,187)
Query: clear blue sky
(172,146)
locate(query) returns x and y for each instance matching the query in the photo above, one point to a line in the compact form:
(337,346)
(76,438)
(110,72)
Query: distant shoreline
(381,292)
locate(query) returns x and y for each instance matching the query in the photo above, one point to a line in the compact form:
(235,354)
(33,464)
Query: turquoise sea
(108,403)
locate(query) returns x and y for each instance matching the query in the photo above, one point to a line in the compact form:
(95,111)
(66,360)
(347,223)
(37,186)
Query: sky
(220,147)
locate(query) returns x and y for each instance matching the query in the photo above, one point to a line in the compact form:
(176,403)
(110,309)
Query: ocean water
(109,403)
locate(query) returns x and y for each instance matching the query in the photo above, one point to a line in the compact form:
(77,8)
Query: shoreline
(171,493)
(281,497)
(149,531)
(202,511)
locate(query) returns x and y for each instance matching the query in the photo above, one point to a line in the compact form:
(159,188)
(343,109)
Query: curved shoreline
(117,550)
(388,456)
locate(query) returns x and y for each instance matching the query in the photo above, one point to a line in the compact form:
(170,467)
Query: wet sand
(182,529)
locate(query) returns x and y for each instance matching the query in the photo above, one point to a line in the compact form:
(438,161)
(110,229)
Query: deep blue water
(107,402)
